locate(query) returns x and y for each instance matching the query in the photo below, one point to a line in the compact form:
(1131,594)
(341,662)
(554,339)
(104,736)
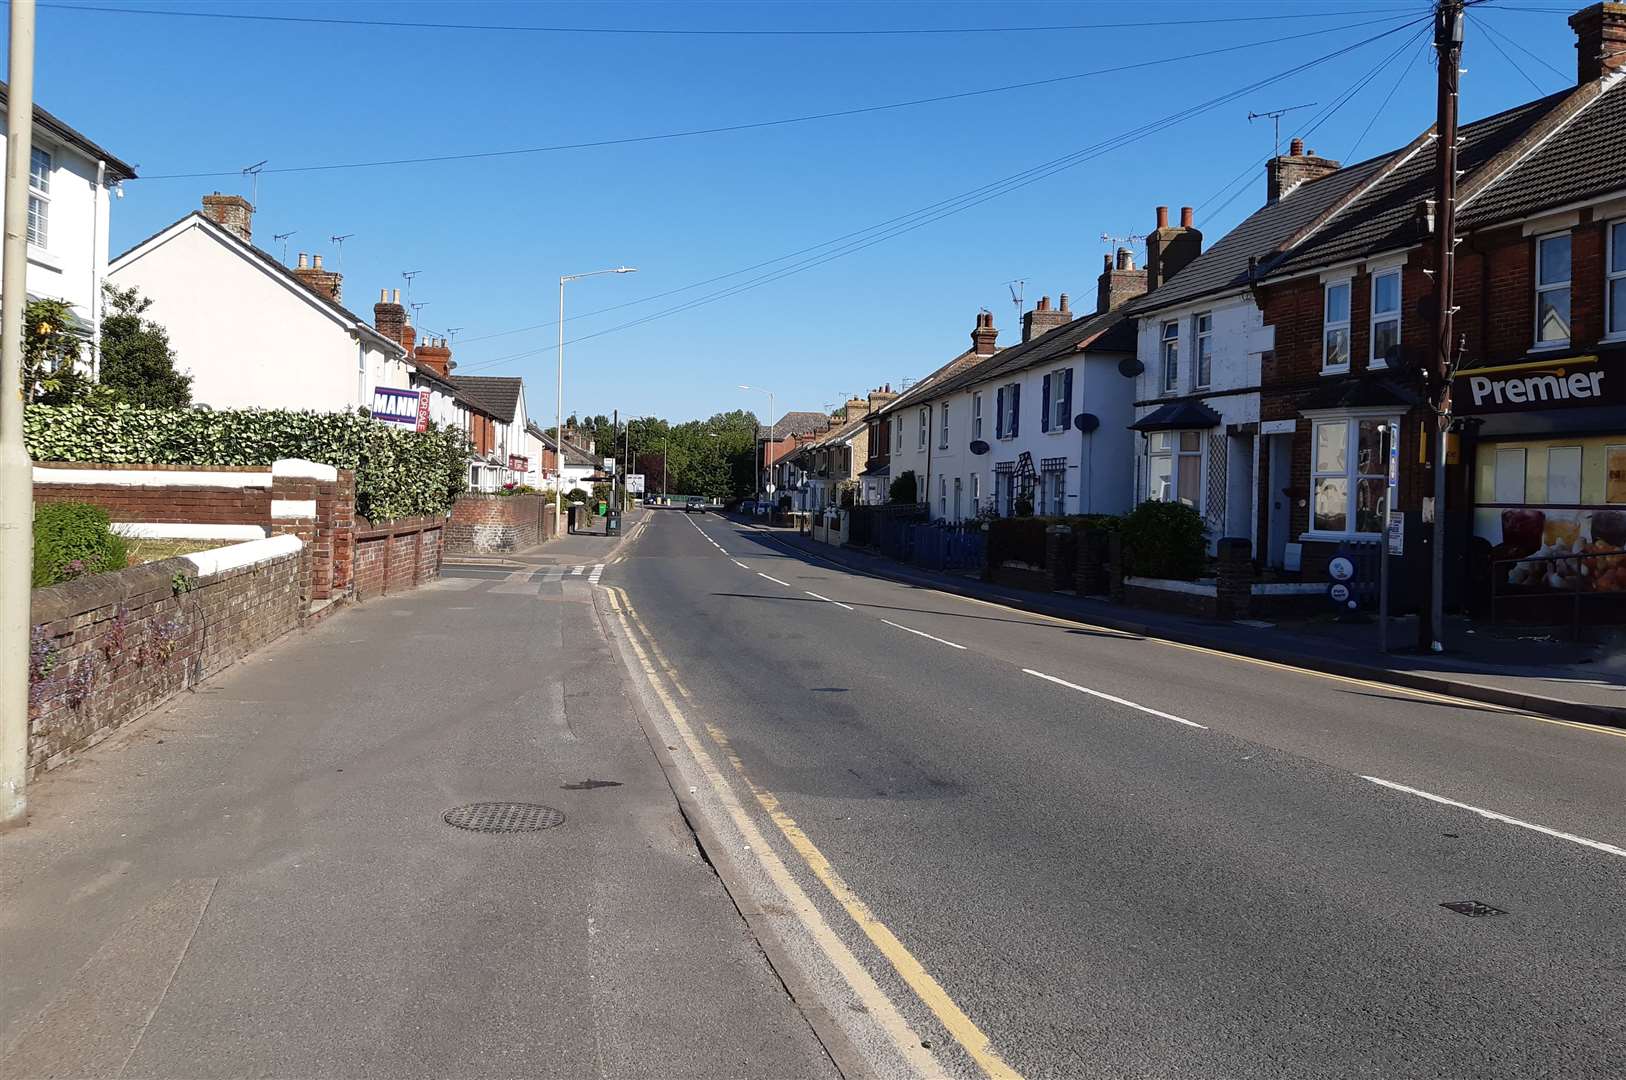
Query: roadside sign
(407,409)
(1397,533)
(609,464)
(635,483)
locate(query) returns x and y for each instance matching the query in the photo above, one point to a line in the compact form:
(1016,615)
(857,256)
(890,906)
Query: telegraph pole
(1448,49)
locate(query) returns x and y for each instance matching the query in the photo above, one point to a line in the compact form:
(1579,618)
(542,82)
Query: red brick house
(1537,462)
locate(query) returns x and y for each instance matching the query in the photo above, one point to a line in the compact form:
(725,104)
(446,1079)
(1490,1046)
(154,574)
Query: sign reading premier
(1570,383)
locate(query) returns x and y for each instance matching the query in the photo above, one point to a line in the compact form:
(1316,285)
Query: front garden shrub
(1165,540)
(72,540)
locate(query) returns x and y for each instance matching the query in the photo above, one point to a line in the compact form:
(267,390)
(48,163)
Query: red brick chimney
(1044,318)
(324,283)
(1298,166)
(1600,40)
(1170,250)
(1119,283)
(984,336)
(232,213)
(436,354)
(389,317)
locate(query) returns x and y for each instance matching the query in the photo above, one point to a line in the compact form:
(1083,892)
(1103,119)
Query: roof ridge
(1384,170)
(1553,121)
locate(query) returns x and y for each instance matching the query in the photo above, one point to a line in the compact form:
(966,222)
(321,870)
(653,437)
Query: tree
(904,490)
(51,372)
(137,362)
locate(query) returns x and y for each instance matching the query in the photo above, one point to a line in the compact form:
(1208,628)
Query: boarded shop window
(1563,475)
(1509,487)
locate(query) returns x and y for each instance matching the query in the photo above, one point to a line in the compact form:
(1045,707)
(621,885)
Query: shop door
(1279,475)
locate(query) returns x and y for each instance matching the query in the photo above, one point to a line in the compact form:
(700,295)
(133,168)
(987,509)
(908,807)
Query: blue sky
(491,236)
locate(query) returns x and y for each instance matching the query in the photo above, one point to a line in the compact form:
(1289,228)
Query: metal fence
(1546,586)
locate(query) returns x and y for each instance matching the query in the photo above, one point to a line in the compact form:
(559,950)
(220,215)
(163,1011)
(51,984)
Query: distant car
(748,506)
(695,505)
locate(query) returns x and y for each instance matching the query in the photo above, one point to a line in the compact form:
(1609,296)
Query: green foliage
(398,473)
(1017,539)
(1165,540)
(51,354)
(905,489)
(137,363)
(516,489)
(72,540)
(576,495)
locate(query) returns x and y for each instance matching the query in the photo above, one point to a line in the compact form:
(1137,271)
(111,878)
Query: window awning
(883,469)
(1178,416)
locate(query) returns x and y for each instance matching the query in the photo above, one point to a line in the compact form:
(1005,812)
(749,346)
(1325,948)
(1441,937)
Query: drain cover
(1474,909)
(503,817)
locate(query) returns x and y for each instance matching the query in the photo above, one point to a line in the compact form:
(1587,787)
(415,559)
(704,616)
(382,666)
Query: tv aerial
(1275,117)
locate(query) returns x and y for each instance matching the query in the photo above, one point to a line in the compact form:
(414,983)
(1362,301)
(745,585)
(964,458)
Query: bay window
(1385,315)
(1175,467)
(1171,356)
(1335,327)
(1553,290)
(1203,358)
(1615,291)
(1349,475)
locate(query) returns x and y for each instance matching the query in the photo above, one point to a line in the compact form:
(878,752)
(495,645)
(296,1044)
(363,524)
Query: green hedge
(1165,540)
(1022,539)
(72,540)
(398,473)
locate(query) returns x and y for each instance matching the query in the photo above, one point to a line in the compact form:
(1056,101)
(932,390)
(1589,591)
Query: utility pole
(1448,48)
(16,470)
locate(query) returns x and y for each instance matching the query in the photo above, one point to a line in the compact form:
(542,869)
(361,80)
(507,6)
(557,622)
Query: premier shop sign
(1572,382)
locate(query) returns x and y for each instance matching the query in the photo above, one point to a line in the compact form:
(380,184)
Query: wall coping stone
(299,467)
(237,556)
(147,476)
(1195,588)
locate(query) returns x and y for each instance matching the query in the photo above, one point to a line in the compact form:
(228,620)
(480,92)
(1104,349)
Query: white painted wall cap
(238,556)
(308,470)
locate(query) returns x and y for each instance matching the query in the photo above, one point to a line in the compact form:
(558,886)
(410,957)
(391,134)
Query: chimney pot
(383,296)
(1126,259)
(1296,148)
(316,261)
(303,260)
(1106,262)
(1163,217)
(395,296)
(1064,301)
(1186,216)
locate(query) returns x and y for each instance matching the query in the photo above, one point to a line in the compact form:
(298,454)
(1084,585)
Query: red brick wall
(400,555)
(120,644)
(482,524)
(189,503)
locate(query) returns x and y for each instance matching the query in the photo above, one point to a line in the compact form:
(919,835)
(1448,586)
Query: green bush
(1017,539)
(72,540)
(577,495)
(398,473)
(904,490)
(1165,540)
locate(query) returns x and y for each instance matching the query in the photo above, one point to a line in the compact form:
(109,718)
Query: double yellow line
(658,669)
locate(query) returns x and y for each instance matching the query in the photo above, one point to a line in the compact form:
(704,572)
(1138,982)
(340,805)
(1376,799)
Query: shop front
(1549,481)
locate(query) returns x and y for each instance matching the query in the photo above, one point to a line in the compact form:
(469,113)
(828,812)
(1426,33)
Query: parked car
(695,505)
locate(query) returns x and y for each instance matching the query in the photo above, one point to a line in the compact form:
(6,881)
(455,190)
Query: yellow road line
(962,1027)
(869,993)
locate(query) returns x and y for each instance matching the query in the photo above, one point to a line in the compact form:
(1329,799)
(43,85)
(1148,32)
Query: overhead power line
(784,121)
(866,238)
(693,32)
(1563,78)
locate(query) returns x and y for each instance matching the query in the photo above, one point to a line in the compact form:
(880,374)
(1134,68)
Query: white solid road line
(739,564)
(1114,698)
(1596,845)
(775,580)
(922,633)
(827,600)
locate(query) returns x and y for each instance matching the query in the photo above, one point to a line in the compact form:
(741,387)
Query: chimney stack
(232,213)
(1119,283)
(1169,249)
(324,283)
(1600,41)
(1043,318)
(984,336)
(389,319)
(434,353)
(1298,166)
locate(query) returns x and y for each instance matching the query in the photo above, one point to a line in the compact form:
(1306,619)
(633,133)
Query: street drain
(1473,909)
(503,817)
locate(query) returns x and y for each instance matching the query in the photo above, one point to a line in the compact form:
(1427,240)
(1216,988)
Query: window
(1507,483)
(1616,289)
(925,427)
(39,197)
(942,496)
(1008,412)
(1203,337)
(1350,487)
(1176,467)
(1171,357)
(976,417)
(1563,475)
(1553,290)
(1385,315)
(897,442)
(957,508)
(1054,472)
(1335,327)
(975,492)
(943,430)
(1057,391)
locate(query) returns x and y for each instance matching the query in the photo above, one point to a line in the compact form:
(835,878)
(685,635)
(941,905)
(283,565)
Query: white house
(497,422)
(250,331)
(577,471)
(69,181)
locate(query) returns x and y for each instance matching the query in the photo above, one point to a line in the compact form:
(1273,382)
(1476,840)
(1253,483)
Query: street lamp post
(559,399)
(772,428)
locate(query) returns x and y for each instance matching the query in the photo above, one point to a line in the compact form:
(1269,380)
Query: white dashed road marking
(827,600)
(741,565)
(1114,698)
(922,633)
(1596,845)
(775,580)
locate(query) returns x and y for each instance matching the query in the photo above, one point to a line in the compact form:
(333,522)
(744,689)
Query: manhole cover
(503,817)
(1473,909)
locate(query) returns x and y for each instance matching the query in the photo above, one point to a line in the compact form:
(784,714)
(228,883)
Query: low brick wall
(1176,597)
(397,555)
(492,524)
(108,648)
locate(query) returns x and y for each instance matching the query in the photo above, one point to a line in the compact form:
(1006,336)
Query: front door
(1279,475)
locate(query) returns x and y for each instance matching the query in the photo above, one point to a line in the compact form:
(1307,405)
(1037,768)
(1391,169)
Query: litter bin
(612,523)
(571,520)
(603,508)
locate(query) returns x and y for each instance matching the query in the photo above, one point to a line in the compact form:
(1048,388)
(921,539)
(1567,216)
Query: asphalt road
(1124,858)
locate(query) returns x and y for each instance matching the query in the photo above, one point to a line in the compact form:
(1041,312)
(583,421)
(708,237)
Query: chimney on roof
(1170,249)
(1600,40)
(435,353)
(855,407)
(1119,283)
(232,213)
(1284,174)
(880,396)
(984,336)
(389,319)
(324,283)
(1044,318)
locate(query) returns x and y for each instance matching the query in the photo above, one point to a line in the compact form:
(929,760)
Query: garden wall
(398,555)
(491,524)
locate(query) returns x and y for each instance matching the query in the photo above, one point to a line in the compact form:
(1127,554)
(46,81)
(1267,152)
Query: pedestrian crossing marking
(598,568)
(576,571)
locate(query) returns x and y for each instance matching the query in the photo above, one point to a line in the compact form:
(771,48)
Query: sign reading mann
(1572,382)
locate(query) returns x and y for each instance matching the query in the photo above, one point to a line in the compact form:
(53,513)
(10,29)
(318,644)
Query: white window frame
(1553,286)
(1330,326)
(1202,342)
(1056,492)
(976,415)
(1351,474)
(1008,421)
(943,426)
(897,438)
(925,427)
(976,494)
(1374,360)
(1058,401)
(1612,275)
(39,200)
(959,492)
(1169,358)
(1174,454)
(942,495)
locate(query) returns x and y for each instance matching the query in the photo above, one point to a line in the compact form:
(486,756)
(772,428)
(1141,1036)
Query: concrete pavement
(258,881)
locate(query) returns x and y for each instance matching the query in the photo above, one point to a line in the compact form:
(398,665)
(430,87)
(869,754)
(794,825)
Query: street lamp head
(744,387)
(626,269)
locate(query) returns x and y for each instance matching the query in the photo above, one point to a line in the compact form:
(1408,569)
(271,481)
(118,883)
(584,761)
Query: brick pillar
(1115,567)
(1058,556)
(344,533)
(1234,579)
(1090,562)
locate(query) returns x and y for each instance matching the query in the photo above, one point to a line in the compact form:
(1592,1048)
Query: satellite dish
(979,447)
(1129,367)
(1086,422)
